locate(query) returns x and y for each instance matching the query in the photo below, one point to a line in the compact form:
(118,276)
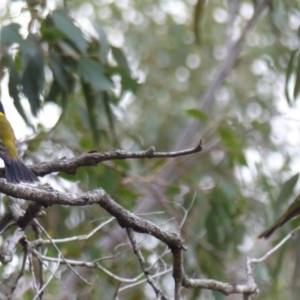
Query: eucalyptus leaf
(65,24)
(103,42)
(33,78)
(120,58)
(93,73)
(13,83)
(289,72)
(297,75)
(198,114)
(286,192)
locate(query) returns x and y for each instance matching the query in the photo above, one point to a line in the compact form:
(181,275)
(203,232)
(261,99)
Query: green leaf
(289,72)
(229,138)
(49,32)
(10,34)
(229,192)
(65,24)
(90,99)
(128,83)
(103,42)
(120,58)
(198,13)
(297,84)
(33,76)
(286,191)
(54,92)
(198,114)
(172,191)
(107,99)
(56,65)
(13,90)
(92,72)
(86,143)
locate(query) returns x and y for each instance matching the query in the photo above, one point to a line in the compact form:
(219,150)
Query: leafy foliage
(74,59)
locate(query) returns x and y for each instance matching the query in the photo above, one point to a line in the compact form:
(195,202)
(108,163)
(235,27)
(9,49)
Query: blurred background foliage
(130,74)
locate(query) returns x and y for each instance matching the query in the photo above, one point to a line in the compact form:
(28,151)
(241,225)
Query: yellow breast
(7,137)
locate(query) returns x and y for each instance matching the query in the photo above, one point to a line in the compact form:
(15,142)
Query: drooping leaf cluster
(75,59)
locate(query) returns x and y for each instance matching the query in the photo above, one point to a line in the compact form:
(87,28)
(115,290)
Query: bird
(15,169)
(292,211)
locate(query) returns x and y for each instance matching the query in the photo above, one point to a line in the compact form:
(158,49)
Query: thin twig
(86,264)
(275,248)
(138,253)
(186,211)
(41,290)
(117,291)
(61,255)
(144,280)
(124,217)
(31,268)
(22,269)
(41,259)
(74,238)
(37,232)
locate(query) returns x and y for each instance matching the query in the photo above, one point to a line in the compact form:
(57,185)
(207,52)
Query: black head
(2,108)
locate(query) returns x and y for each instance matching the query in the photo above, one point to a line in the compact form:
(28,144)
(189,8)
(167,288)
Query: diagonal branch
(125,218)
(138,253)
(233,52)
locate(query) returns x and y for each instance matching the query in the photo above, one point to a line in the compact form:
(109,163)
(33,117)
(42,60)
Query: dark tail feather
(292,211)
(16,171)
(267,233)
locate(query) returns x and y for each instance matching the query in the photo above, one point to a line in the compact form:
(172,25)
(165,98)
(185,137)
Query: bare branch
(275,248)
(99,196)
(178,273)
(12,215)
(74,238)
(33,210)
(16,214)
(60,254)
(40,257)
(144,280)
(222,287)
(8,249)
(250,280)
(86,264)
(117,292)
(186,211)
(138,253)
(41,290)
(247,289)
(21,271)
(94,157)
(31,268)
